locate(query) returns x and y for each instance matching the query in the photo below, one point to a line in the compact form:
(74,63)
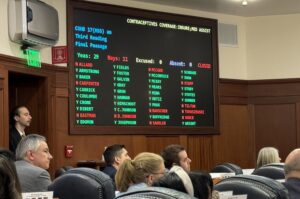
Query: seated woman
(171,181)
(140,172)
(267,155)
(196,184)
(203,185)
(9,183)
(176,179)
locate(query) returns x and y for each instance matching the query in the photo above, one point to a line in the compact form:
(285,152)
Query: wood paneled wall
(253,114)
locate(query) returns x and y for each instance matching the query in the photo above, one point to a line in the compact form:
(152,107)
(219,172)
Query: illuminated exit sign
(33,57)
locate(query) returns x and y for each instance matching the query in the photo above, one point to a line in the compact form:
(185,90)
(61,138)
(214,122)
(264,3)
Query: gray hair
(29,143)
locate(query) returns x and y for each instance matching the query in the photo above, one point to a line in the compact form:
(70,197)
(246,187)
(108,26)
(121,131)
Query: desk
(94,164)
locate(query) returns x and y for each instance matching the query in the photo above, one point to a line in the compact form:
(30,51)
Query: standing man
(20,118)
(33,158)
(292,174)
(114,156)
(175,154)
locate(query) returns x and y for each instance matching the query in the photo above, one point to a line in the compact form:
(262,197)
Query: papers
(248,171)
(281,180)
(221,175)
(38,195)
(229,195)
(217,177)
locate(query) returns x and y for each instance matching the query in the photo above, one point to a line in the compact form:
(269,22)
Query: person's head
(20,116)
(202,183)
(267,155)
(34,149)
(9,183)
(292,164)
(176,155)
(172,181)
(115,155)
(8,154)
(145,167)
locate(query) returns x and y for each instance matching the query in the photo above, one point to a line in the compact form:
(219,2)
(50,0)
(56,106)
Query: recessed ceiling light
(244,2)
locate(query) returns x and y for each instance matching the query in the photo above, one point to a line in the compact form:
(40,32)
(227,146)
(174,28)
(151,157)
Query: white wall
(269,47)
(9,48)
(273,47)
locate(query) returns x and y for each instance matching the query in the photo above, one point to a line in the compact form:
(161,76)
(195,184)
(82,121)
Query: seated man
(176,155)
(33,158)
(292,173)
(114,156)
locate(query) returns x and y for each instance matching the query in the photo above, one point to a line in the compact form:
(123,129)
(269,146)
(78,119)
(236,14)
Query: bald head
(292,164)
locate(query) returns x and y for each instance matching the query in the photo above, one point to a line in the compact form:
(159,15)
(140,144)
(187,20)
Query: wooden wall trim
(61,92)
(274,111)
(259,91)
(233,91)
(4,120)
(16,64)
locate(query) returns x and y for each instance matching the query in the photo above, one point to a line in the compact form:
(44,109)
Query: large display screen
(137,71)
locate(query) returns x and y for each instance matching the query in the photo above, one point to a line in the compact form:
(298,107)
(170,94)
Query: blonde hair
(136,170)
(267,155)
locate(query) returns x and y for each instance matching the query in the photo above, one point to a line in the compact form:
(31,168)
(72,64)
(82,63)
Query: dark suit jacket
(293,186)
(110,171)
(14,139)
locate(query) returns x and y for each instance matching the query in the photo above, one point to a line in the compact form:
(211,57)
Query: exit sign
(33,57)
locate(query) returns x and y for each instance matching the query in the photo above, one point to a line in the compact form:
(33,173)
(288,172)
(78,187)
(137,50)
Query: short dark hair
(14,112)
(202,183)
(111,152)
(170,155)
(8,154)
(171,181)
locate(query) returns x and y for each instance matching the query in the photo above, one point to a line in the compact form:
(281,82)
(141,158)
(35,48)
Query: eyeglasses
(161,173)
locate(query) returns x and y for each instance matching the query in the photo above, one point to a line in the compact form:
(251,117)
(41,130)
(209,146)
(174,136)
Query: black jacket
(14,139)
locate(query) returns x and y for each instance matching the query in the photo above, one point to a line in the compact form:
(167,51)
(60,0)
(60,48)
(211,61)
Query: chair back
(154,193)
(227,168)
(83,183)
(274,171)
(62,170)
(256,187)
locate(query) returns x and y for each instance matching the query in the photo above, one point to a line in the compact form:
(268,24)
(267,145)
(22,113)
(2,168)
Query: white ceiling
(235,7)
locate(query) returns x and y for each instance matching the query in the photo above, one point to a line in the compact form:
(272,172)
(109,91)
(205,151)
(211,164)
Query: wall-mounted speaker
(228,35)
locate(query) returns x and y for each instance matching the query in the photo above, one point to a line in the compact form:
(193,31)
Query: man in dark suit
(114,156)
(20,118)
(33,158)
(292,174)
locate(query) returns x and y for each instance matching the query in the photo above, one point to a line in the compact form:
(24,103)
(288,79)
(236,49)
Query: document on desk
(38,195)
(225,194)
(229,195)
(233,197)
(237,197)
